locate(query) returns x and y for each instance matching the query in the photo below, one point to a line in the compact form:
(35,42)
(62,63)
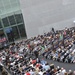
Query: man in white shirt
(32,72)
(63,71)
(40,72)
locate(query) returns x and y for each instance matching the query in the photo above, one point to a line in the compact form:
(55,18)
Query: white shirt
(31,73)
(63,71)
(3,58)
(12,63)
(40,73)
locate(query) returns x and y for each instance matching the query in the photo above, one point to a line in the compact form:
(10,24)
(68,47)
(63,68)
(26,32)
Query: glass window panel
(15,6)
(2,33)
(15,32)
(0,25)
(5,22)
(1,4)
(18,1)
(12,2)
(11,20)
(9,34)
(22,30)
(8,8)
(19,18)
(2,10)
(5,3)
(15,3)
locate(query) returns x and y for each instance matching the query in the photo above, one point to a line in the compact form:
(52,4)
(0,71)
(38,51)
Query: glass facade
(0,24)
(5,22)
(11,20)
(2,33)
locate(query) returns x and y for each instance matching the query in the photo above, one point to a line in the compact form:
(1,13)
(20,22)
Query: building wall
(41,15)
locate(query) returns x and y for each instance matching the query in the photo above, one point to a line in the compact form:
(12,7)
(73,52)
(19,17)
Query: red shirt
(27,73)
(33,61)
(37,65)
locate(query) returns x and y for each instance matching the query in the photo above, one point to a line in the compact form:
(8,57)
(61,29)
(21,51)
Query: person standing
(36,53)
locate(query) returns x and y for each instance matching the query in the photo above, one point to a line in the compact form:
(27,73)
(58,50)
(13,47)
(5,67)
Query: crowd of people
(64,52)
(23,58)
